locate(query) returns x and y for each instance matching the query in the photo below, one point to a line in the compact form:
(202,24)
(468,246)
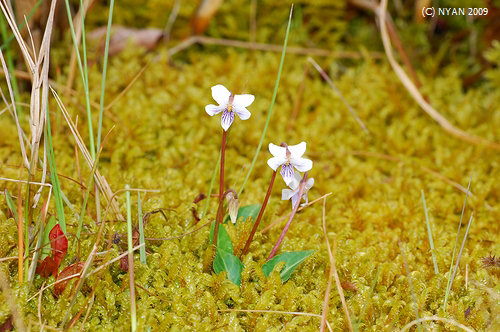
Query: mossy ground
(163,139)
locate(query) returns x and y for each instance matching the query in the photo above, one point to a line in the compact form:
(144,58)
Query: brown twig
(218,219)
(298,100)
(413,90)
(259,217)
(330,82)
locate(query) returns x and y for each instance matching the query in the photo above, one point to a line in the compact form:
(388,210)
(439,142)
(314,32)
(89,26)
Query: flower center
(229,108)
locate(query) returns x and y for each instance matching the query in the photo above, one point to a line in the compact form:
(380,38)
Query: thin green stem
(259,217)
(270,112)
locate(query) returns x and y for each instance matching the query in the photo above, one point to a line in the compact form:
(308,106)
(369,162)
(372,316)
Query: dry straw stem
(333,270)
(40,309)
(288,215)
(11,301)
(381,12)
(14,112)
(279,313)
(330,274)
(39,68)
(100,180)
(334,88)
(491,292)
(439,319)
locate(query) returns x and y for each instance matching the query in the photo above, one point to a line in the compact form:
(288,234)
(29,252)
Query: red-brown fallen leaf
(347,285)
(59,244)
(7,325)
(47,267)
(72,269)
(124,263)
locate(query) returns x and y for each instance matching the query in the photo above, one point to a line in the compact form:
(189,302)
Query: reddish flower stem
(259,217)
(218,218)
(295,208)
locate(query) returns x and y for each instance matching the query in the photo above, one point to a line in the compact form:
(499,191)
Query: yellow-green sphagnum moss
(164,140)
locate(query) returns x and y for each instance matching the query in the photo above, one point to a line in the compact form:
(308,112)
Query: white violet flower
(229,104)
(289,157)
(286,194)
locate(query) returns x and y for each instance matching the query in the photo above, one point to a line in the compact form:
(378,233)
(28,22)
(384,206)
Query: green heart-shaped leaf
(292,259)
(226,261)
(223,239)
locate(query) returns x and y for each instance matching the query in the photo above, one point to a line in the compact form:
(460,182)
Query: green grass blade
(133,317)
(86,196)
(429,233)
(53,174)
(142,250)
(270,112)
(10,204)
(104,70)
(448,285)
(83,73)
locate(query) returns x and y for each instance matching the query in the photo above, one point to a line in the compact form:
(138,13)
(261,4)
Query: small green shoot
(429,233)
(448,286)
(46,241)
(10,204)
(292,259)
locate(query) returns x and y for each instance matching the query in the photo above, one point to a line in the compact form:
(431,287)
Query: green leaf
(246,211)
(292,259)
(226,261)
(46,241)
(223,239)
(10,204)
